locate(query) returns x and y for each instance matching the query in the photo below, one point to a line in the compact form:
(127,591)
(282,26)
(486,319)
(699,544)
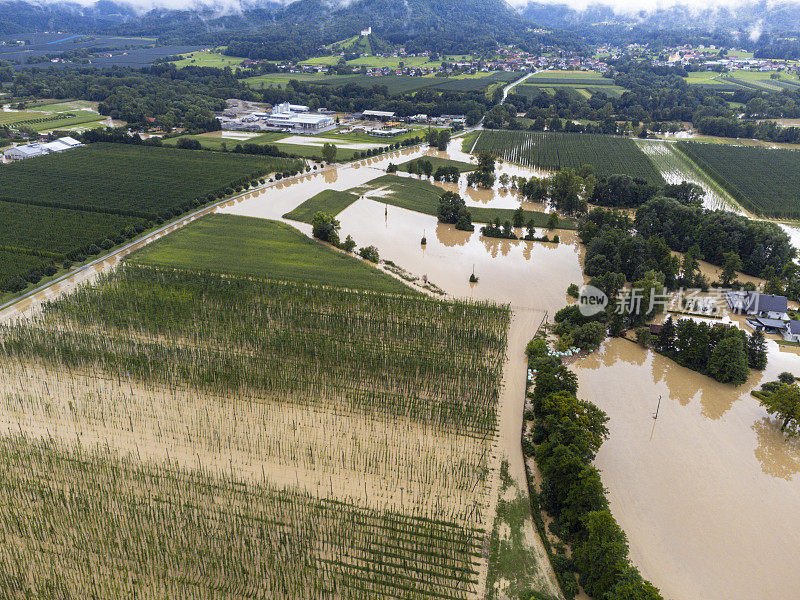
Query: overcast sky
(627,6)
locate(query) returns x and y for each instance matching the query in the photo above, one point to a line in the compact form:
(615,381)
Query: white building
(367,31)
(40,149)
(23,152)
(284,117)
(379,115)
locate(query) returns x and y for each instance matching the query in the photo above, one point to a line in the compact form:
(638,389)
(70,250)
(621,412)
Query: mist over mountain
(753,18)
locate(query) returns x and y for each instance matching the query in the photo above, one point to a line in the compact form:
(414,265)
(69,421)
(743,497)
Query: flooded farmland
(709,493)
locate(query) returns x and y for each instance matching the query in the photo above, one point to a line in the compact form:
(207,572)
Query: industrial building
(286,117)
(41,148)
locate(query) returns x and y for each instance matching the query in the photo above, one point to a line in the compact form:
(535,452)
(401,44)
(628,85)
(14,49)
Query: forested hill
(272,30)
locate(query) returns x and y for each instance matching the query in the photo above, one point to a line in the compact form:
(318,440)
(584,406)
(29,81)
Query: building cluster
(33,149)
(765,312)
(282,117)
(507,58)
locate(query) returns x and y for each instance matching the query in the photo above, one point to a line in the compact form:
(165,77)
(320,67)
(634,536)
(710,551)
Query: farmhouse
(757,304)
(766,325)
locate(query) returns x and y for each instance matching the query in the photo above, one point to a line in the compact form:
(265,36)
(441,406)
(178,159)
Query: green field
(423,197)
(202,58)
(585,91)
(765,181)
(328,201)
(261,248)
(123,179)
(437,162)
(732,81)
(41,121)
(59,231)
(608,155)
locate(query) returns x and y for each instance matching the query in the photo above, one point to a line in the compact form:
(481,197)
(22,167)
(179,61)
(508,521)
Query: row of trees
(722,352)
(566,436)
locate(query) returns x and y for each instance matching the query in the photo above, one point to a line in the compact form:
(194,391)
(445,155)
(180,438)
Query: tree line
(567,434)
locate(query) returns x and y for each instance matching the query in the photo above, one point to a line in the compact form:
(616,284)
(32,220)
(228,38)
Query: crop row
(77,523)
(608,155)
(765,181)
(140,181)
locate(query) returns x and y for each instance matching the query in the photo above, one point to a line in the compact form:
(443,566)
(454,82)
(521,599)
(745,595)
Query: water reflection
(779,457)
(709,495)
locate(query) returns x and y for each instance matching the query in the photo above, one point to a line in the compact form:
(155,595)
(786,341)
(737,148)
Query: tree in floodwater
(632,586)
(783,401)
(728,362)
(757,351)
(730,267)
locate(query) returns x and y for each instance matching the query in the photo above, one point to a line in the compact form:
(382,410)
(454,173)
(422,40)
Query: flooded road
(708,494)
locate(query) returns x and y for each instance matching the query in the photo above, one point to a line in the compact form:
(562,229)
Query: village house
(756,304)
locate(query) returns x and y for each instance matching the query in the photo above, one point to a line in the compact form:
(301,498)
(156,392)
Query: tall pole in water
(658,407)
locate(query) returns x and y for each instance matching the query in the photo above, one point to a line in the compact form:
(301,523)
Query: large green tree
(728,362)
(602,556)
(631,586)
(784,403)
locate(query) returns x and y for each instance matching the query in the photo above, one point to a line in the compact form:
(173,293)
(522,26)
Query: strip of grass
(423,197)
(261,248)
(329,201)
(437,162)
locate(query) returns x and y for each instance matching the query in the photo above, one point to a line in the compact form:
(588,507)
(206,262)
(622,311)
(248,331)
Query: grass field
(608,155)
(184,435)
(44,121)
(203,58)
(765,181)
(437,162)
(745,80)
(423,197)
(140,181)
(237,245)
(327,201)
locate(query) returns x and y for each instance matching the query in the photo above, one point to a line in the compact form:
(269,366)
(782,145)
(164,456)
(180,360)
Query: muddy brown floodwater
(709,493)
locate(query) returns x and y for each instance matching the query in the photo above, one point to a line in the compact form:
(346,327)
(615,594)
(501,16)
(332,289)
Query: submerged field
(765,181)
(608,155)
(422,196)
(220,436)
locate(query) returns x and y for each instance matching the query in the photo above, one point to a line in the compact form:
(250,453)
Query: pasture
(208,58)
(247,246)
(608,155)
(327,201)
(179,434)
(765,181)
